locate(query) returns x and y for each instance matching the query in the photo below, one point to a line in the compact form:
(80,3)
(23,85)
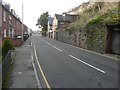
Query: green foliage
(112,17)
(70,30)
(95,16)
(96,37)
(7,45)
(95,20)
(43,21)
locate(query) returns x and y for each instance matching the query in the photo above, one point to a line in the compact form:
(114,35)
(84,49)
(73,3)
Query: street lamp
(22,18)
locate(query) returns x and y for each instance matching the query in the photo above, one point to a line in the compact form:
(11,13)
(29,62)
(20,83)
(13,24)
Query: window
(10,17)
(11,33)
(4,16)
(4,33)
(56,22)
(10,22)
(15,23)
(62,23)
(0,32)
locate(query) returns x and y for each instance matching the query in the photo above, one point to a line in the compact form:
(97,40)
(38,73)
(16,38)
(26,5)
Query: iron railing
(4,66)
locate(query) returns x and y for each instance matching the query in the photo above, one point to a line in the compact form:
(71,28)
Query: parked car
(25,37)
(19,37)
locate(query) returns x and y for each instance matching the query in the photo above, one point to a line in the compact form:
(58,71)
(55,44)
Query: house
(62,21)
(29,31)
(11,24)
(50,31)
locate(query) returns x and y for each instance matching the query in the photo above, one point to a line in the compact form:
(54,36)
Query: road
(63,66)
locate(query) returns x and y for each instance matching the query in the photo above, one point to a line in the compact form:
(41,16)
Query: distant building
(50,31)
(62,21)
(29,31)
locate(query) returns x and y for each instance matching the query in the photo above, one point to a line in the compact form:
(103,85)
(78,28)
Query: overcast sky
(34,8)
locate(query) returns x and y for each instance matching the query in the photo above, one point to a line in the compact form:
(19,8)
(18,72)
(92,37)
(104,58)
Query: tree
(43,21)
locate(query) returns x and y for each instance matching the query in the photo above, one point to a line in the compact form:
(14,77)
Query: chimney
(12,11)
(7,6)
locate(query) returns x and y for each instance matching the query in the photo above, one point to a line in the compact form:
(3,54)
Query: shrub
(7,45)
(95,20)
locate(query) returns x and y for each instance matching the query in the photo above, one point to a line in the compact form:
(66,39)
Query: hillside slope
(103,6)
(90,31)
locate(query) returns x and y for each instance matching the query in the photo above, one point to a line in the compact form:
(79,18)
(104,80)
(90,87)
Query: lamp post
(22,18)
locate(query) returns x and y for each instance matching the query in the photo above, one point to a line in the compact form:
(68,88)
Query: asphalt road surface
(65,66)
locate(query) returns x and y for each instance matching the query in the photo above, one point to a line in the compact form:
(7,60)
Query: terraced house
(11,24)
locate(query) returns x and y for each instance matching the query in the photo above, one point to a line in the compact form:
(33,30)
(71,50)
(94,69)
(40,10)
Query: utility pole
(22,18)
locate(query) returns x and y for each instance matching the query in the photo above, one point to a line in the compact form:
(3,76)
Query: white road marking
(48,43)
(35,71)
(53,46)
(57,49)
(92,52)
(87,64)
(31,43)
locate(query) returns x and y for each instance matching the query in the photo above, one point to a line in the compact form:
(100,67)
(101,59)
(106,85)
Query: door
(116,42)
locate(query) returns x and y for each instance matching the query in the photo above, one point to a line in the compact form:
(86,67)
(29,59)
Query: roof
(59,17)
(50,20)
(18,19)
(66,17)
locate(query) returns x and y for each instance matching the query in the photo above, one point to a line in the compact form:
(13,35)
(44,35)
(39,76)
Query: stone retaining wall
(91,38)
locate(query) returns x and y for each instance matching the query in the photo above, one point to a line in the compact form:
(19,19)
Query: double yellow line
(43,75)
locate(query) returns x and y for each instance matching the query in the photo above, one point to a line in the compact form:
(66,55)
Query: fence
(4,66)
(0,76)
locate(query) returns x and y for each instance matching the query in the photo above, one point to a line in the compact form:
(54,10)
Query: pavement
(22,75)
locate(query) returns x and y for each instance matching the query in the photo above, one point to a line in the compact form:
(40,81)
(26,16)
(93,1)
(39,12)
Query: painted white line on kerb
(87,64)
(57,49)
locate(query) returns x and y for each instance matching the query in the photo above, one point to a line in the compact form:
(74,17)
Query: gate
(116,42)
(113,39)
